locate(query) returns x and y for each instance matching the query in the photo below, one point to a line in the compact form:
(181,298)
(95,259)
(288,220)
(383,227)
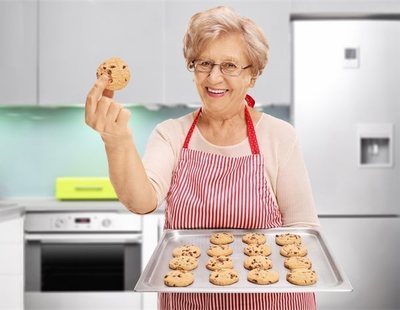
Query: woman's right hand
(109,118)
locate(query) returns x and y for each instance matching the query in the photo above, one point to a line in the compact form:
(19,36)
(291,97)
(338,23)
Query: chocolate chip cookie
(221,238)
(258,261)
(178,278)
(290,250)
(183,263)
(219,250)
(296,262)
(302,276)
(118,72)
(224,277)
(187,250)
(254,238)
(262,276)
(257,249)
(287,238)
(219,262)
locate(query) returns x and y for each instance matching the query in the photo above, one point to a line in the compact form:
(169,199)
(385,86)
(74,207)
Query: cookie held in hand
(118,72)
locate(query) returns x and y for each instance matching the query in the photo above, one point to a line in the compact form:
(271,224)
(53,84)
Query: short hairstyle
(217,22)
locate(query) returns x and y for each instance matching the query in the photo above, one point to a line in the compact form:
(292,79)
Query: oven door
(82,262)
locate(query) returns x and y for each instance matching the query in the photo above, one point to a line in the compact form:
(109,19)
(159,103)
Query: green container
(87,188)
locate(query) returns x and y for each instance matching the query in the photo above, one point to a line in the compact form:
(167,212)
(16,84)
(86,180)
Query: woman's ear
(253,81)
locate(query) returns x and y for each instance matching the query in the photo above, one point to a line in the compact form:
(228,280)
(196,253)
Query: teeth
(216,91)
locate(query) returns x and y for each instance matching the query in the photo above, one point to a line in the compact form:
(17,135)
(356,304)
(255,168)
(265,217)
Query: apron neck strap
(251,133)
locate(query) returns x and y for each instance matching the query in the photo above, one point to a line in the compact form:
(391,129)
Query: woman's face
(221,93)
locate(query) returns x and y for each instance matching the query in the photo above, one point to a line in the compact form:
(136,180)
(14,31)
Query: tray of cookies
(262,260)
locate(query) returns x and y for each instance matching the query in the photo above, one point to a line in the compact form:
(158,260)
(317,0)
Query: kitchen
(44,137)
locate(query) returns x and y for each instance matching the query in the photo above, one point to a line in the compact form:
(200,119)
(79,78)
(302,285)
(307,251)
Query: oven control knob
(106,223)
(59,222)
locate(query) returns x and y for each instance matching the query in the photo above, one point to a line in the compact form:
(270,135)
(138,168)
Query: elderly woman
(225,165)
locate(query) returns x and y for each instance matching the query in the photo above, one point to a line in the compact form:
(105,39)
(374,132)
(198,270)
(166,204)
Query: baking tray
(331,277)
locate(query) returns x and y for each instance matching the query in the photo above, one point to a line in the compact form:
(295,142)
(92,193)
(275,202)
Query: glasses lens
(203,65)
(230,68)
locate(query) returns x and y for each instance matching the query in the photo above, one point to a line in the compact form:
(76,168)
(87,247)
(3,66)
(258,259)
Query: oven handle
(84,238)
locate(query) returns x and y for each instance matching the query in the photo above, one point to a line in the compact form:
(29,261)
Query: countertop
(15,207)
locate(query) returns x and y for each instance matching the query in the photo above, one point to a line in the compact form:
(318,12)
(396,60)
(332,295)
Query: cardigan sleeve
(159,159)
(293,189)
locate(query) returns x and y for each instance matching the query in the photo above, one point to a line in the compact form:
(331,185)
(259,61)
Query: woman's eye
(230,65)
(205,63)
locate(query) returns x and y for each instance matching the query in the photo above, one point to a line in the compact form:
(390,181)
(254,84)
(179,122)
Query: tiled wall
(37,144)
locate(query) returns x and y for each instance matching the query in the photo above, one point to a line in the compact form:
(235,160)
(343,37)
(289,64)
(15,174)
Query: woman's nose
(215,73)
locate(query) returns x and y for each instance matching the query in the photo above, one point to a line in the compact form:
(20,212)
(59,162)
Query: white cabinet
(152,230)
(18,52)
(11,264)
(76,36)
(367,249)
(273,86)
(347,7)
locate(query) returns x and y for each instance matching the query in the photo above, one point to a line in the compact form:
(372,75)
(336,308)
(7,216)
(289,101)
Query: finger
(108,93)
(123,117)
(113,111)
(102,107)
(95,93)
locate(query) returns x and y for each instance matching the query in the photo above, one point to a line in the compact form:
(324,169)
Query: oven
(82,252)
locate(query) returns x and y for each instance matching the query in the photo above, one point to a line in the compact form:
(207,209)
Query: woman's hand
(109,118)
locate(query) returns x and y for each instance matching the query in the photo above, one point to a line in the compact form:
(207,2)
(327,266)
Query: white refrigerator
(346,110)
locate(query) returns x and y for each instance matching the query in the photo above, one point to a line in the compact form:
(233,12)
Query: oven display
(82,220)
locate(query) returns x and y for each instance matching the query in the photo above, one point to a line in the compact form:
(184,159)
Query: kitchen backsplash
(38,144)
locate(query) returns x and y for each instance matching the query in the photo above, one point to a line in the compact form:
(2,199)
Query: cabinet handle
(84,238)
(89,188)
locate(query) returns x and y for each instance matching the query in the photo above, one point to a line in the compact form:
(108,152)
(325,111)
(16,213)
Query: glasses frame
(192,67)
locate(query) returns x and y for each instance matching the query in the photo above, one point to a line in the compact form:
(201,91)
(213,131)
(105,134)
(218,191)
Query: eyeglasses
(226,67)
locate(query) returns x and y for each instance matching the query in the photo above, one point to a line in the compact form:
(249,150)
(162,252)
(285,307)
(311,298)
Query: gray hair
(217,22)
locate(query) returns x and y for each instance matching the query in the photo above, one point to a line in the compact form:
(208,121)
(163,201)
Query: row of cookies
(258,263)
(296,262)
(220,262)
(183,262)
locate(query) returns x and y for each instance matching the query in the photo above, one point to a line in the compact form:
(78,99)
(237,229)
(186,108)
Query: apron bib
(211,191)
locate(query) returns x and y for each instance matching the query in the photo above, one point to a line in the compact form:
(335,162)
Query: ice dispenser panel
(375,144)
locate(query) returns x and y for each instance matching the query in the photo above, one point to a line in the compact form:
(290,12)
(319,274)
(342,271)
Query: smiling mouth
(214,92)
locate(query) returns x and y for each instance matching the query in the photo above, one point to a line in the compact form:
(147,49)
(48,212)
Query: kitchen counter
(10,210)
(16,207)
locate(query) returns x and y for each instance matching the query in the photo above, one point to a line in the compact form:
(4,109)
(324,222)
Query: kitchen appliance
(346,99)
(81,257)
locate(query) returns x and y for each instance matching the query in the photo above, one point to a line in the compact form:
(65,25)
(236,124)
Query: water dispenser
(375,145)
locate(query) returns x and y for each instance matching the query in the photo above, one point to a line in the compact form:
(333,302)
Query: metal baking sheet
(331,277)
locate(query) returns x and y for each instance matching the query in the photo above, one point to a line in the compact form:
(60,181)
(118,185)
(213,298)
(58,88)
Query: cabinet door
(76,36)
(334,7)
(152,228)
(11,292)
(18,55)
(272,87)
(11,264)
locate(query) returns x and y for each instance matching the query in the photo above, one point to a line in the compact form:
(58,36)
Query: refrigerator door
(367,248)
(347,112)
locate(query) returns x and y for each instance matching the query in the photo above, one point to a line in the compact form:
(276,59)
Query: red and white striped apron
(213,191)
